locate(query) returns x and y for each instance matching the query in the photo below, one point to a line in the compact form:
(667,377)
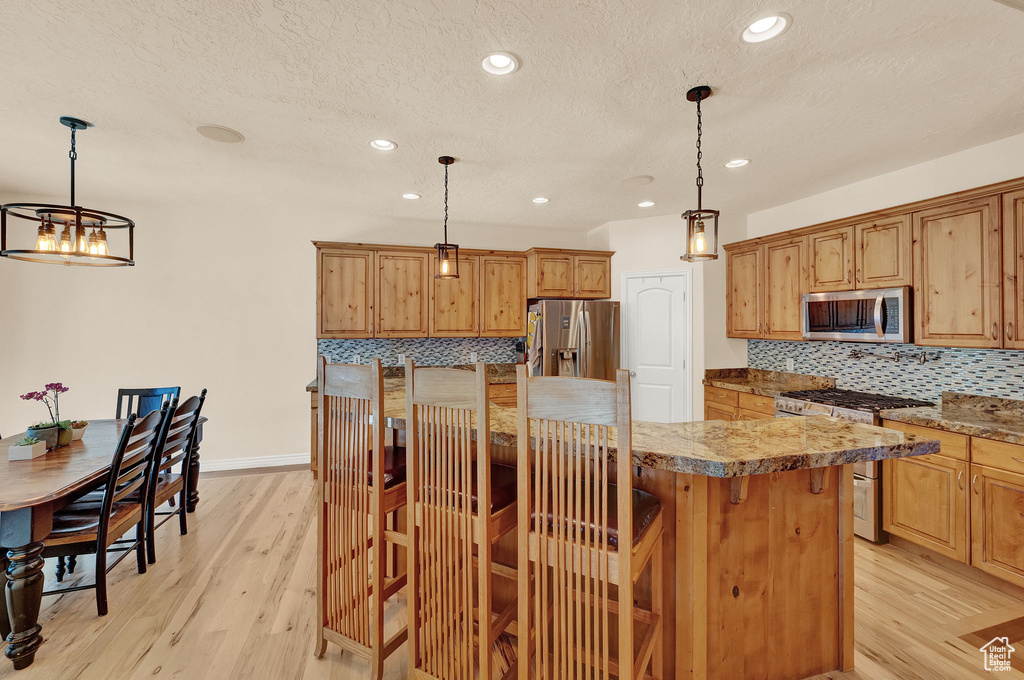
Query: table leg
(24,594)
(193,480)
(5,620)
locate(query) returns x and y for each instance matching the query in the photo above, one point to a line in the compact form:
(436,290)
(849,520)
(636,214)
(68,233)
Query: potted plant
(50,396)
(27,449)
(78,429)
(46,431)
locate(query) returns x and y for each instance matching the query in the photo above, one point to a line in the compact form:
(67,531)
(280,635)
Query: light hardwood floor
(235,599)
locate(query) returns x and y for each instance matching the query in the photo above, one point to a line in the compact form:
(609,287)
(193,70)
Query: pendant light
(447,253)
(83,239)
(700,245)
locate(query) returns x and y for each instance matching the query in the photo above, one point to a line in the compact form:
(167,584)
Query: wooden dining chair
(142,400)
(581,535)
(459,503)
(95,527)
(360,482)
(177,442)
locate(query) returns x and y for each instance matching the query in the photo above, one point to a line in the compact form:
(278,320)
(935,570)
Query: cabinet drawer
(999,455)
(755,402)
(744,414)
(953,445)
(717,395)
(503,394)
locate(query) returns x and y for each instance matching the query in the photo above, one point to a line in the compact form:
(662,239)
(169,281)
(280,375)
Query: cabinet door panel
(345,294)
(743,271)
(957,275)
(925,501)
(997,505)
(502,296)
(453,302)
(831,260)
(883,253)
(402,294)
(554,275)
(593,276)
(719,412)
(784,283)
(1013,270)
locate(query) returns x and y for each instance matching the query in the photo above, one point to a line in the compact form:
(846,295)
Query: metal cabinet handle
(995,331)
(858,275)
(960,479)
(1019,460)
(849,274)
(974,484)
(1009,330)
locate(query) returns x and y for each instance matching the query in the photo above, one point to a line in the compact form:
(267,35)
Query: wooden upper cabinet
(785,279)
(403,294)
(1013,270)
(582,274)
(831,255)
(453,302)
(957,275)
(344,301)
(743,293)
(925,501)
(883,253)
(593,276)
(502,296)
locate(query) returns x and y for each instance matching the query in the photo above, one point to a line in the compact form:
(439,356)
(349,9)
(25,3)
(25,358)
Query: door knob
(632,374)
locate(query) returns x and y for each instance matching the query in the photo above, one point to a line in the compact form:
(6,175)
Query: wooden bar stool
(458,502)
(581,535)
(360,482)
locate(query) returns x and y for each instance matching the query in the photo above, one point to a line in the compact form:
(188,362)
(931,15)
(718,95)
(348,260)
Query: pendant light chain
(700,154)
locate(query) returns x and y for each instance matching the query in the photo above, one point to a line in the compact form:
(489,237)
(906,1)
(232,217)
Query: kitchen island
(758,535)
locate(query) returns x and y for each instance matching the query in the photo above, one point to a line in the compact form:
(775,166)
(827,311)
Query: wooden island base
(759,573)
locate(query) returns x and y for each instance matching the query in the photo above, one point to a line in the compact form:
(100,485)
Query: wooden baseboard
(253,462)
(959,567)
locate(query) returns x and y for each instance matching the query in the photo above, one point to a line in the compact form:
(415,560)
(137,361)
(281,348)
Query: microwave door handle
(879,301)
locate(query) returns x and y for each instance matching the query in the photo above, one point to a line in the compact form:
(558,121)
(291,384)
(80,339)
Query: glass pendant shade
(701,235)
(447,261)
(65,240)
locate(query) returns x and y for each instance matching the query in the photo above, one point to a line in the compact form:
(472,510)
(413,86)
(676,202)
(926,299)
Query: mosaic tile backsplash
(424,351)
(989,372)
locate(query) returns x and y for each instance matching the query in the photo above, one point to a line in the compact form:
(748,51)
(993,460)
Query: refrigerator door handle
(581,344)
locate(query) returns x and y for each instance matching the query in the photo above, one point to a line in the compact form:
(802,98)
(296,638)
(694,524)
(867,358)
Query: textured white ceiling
(854,89)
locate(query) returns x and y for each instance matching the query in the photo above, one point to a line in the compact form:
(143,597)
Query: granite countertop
(497,374)
(978,416)
(727,449)
(764,383)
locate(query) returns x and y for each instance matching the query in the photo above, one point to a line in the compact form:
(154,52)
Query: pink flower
(39,396)
(57,387)
(29,395)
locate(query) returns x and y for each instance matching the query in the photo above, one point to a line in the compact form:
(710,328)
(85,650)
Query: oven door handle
(879,301)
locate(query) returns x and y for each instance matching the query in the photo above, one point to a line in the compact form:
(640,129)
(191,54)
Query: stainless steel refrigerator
(574,338)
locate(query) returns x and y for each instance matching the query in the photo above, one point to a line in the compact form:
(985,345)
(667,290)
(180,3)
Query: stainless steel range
(858,407)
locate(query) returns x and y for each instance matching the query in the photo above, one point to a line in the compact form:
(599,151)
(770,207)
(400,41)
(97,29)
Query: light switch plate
(355,359)
(473,357)
(790,365)
(401,359)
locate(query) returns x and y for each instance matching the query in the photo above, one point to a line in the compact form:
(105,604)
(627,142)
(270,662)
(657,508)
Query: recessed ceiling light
(637,181)
(219,133)
(645,204)
(540,199)
(411,197)
(767,28)
(500,63)
(383,145)
(737,163)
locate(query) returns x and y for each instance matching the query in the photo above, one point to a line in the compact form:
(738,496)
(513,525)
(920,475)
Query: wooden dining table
(31,491)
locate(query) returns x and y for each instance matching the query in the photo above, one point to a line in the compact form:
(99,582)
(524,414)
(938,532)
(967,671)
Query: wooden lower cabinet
(997,522)
(714,411)
(502,394)
(925,500)
(722,404)
(313,426)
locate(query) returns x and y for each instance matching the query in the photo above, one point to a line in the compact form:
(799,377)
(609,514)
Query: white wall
(655,243)
(222,297)
(994,162)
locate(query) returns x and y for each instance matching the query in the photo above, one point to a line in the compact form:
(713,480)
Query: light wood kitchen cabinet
(997,522)
(719,412)
(1013,270)
(883,253)
(502,296)
(757,403)
(925,500)
(453,302)
(743,293)
(344,301)
(581,274)
(402,294)
(957,275)
(785,279)
(831,257)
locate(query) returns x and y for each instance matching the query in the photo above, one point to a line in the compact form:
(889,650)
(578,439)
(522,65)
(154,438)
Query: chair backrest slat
(143,400)
(177,439)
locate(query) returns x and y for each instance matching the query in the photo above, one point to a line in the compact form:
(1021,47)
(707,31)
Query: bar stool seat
(645,510)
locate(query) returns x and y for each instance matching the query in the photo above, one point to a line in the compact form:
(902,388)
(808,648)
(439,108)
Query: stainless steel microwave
(858,315)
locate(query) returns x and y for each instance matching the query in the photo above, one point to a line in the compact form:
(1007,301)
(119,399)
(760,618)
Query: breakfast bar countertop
(715,448)
(764,383)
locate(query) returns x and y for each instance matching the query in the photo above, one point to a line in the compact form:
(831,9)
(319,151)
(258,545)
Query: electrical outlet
(401,359)
(473,357)
(790,365)
(355,359)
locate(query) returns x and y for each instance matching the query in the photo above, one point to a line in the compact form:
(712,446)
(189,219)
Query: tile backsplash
(424,351)
(990,372)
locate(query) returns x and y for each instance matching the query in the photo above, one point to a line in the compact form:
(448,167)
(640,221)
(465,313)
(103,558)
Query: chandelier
(699,246)
(83,236)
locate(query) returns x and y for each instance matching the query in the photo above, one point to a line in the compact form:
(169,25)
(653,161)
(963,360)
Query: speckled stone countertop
(499,374)
(764,383)
(716,448)
(978,416)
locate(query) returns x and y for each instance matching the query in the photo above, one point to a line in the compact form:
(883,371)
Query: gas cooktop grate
(855,400)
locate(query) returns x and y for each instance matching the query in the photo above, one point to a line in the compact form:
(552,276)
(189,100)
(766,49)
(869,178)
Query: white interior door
(657,344)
